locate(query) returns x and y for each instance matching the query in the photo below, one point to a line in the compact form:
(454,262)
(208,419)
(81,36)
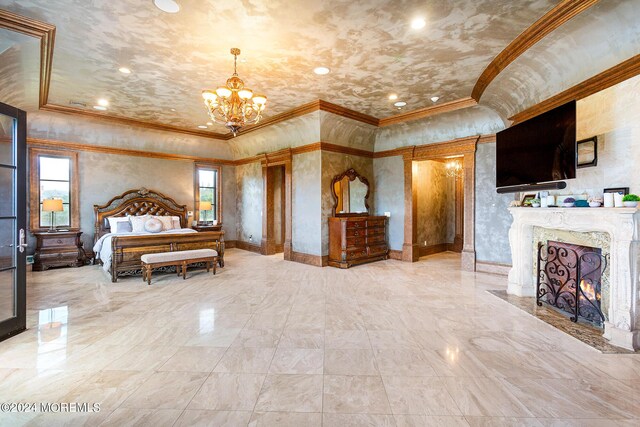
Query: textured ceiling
(19,70)
(369,46)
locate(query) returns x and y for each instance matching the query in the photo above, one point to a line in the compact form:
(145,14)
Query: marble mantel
(622,328)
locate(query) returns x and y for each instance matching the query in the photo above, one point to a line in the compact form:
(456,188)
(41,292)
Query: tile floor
(272,343)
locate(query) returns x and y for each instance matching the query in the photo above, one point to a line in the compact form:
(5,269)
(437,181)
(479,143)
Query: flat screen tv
(541,149)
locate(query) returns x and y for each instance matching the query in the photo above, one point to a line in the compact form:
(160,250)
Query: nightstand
(207,227)
(58,249)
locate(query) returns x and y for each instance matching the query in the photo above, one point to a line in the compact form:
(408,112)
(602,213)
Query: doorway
(13,221)
(440,205)
(276,219)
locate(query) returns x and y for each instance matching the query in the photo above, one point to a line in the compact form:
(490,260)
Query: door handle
(22,244)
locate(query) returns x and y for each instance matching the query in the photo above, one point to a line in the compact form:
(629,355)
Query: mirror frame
(352,175)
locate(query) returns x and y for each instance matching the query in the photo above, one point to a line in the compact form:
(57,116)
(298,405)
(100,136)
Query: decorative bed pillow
(114,220)
(167,222)
(137,223)
(123,227)
(153,225)
(176,222)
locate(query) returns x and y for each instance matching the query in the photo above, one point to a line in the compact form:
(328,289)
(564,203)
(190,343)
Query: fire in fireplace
(570,279)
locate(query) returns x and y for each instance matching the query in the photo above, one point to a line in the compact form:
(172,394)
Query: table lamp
(53,206)
(205,206)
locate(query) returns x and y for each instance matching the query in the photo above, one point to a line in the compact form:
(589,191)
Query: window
(53,176)
(207,191)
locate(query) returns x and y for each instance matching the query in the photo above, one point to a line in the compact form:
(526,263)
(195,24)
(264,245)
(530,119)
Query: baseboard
(315,260)
(394,254)
(493,268)
(246,246)
(433,249)
(454,247)
(229,244)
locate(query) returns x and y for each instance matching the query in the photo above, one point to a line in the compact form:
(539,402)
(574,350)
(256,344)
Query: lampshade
(52,205)
(205,206)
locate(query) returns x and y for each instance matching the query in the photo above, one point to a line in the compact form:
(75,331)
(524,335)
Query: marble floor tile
(283,343)
(166,390)
(291,393)
(228,392)
(297,361)
(355,394)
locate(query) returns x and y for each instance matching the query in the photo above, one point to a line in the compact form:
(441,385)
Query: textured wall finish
(492,217)
(368,45)
(389,196)
(332,165)
(19,70)
(229,187)
(436,201)
(477,120)
(339,130)
(597,39)
(83,130)
(278,200)
(249,202)
(307,203)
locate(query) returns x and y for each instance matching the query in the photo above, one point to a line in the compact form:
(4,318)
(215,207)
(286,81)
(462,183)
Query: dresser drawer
(356,224)
(59,241)
(356,232)
(377,249)
(58,256)
(376,222)
(356,253)
(376,231)
(355,241)
(376,239)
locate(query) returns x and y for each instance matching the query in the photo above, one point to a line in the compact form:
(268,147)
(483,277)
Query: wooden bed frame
(127,250)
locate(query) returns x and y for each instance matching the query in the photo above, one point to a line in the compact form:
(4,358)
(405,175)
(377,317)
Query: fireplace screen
(570,279)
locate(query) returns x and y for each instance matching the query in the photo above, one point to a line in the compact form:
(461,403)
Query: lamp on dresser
(53,206)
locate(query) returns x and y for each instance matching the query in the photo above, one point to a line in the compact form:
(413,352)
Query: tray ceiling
(370,47)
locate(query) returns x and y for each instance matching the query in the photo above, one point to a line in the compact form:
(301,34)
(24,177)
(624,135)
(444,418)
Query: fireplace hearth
(569,279)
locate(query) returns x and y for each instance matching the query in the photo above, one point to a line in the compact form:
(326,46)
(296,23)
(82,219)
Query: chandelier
(232,105)
(454,169)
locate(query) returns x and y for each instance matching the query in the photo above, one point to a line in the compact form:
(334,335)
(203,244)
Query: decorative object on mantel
(527,198)
(535,203)
(623,190)
(630,200)
(515,204)
(569,202)
(234,105)
(595,202)
(587,152)
(617,200)
(581,204)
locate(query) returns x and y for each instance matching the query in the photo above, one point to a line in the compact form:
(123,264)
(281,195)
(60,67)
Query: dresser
(356,240)
(58,249)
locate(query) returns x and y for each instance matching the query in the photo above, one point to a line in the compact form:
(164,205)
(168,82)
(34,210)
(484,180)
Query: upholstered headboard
(135,203)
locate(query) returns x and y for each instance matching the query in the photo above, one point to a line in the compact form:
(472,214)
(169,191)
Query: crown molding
(130,122)
(40,30)
(614,75)
(550,21)
(421,113)
(452,147)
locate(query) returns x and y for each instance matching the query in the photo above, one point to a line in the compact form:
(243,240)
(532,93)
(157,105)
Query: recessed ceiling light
(321,71)
(169,6)
(400,104)
(202,127)
(124,70)
(209,124)
(100,107)
(418,23)
(435,98)
(393,97)
(173,109)
(103,102)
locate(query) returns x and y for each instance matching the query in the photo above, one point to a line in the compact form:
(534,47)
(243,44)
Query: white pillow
(153,225)
(176,222)
(114,220)
(137,223)
(167,222)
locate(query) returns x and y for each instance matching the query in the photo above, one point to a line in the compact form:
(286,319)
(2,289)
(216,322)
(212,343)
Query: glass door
(13,219)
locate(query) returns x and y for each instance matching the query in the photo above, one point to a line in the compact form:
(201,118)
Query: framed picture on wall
(587,152)
(527,198)
(623,190)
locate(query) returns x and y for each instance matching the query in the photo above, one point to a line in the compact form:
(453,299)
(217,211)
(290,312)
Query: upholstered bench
(178,258)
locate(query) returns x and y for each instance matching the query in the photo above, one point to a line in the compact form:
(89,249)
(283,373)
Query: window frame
(196,191)
(34,186)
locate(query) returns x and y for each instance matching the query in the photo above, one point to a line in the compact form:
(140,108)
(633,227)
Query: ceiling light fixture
(454,169)
(233,105)
(400,104)
(435,98)
(124,70)
(202,127)
(321,71)
(418,23)
(393,97)
(103,102)
(100,107)
(168,6)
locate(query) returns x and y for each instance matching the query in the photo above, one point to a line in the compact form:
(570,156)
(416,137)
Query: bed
(119,252)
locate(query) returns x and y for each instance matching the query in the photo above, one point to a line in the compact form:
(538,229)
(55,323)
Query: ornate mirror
(350,194)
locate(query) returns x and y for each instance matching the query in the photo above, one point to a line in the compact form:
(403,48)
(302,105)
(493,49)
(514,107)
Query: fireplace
(569,279)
